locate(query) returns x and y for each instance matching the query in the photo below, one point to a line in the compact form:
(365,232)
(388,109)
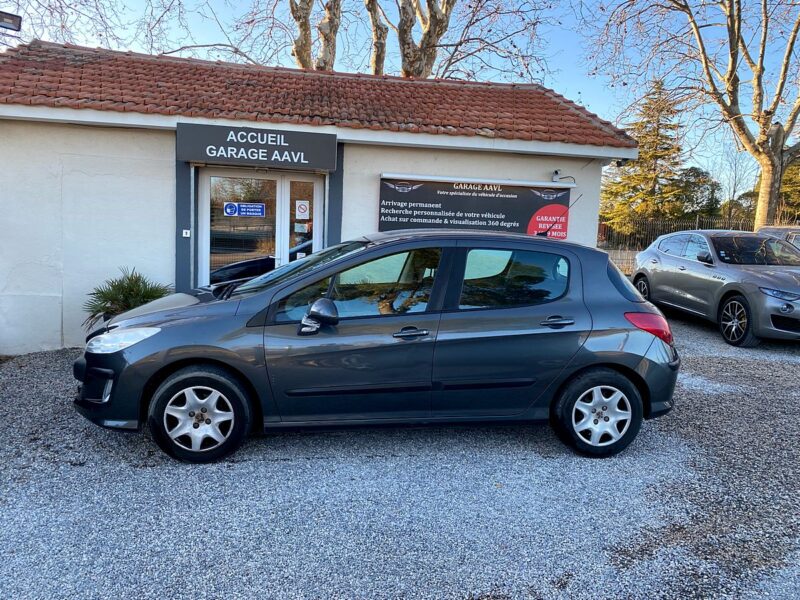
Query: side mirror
(705,258)
(322,312)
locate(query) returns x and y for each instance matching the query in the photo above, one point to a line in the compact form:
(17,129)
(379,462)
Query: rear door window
(673,245)
(505,278)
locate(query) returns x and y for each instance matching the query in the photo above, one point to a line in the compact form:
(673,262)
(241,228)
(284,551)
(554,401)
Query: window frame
(458,270)
(371,254)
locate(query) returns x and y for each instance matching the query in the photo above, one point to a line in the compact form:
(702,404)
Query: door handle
(654,261)
(407,333)
(681,268)
(557,321)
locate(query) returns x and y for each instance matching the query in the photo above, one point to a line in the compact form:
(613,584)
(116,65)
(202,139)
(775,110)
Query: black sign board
(411,204)
(248,146)
(9,21)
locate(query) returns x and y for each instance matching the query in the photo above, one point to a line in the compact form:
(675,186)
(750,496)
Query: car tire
(199,414)
(642,284)
(618,407)
(735,323)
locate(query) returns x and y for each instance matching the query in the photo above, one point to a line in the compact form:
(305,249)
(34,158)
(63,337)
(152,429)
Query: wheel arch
(634,377)
(162,374)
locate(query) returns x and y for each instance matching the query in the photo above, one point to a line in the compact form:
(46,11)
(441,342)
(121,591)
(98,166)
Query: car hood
(196,304)
(783,278)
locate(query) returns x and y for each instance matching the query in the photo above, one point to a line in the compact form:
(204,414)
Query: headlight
(119,339)
(780,294)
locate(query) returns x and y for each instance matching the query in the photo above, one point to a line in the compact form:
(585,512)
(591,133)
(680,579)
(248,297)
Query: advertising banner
(410,204)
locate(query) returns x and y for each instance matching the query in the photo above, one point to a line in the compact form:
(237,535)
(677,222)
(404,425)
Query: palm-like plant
(120,294)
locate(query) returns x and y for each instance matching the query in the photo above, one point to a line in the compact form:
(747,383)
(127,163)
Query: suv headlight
(119,339)
(780,294)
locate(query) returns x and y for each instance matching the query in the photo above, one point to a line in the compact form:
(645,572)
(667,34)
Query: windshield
(303,265)
(752,250)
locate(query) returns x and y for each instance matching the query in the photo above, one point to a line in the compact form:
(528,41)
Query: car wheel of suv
(599,413)
(643,286)
(199,414)
(736,323)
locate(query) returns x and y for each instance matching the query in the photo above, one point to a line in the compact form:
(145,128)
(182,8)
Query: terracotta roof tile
(46,74)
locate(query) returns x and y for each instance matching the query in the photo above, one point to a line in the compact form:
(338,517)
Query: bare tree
(72,21)
(738,58)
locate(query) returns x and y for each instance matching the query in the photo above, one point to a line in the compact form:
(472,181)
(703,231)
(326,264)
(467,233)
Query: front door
(251,222)
(376,363)
(514,320)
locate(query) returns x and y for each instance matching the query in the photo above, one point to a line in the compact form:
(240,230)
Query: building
(178,166)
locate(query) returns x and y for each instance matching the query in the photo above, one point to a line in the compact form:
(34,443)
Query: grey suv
(411,327)
(748,283)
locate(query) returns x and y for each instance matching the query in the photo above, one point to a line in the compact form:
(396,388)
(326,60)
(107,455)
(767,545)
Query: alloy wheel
(601,415)
(198,418)
(644,289)
(734,321)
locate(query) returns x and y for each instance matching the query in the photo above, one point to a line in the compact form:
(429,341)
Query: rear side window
(505,278)
(623,284)
(673,244)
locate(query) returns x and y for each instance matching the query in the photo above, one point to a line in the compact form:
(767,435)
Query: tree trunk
(379,32)
(301,50)
(328,29)
(768,191)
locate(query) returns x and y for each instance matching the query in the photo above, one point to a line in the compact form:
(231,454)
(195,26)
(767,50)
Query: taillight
(651,323)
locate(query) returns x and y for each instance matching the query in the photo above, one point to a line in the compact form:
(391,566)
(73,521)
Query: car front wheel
(599,413)
(736,323)
(199,414)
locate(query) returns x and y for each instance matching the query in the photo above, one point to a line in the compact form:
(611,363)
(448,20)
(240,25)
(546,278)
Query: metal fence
(623,242)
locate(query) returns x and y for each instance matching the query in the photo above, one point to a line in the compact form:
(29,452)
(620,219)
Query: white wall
(76,203)
(364,164)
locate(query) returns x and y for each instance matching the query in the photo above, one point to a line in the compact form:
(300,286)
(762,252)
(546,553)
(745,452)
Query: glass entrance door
(250,223)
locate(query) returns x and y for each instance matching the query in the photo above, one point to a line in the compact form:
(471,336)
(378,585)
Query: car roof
(466,234)
(718,233)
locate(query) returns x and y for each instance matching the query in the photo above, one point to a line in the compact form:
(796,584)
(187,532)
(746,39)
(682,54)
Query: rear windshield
(623,284)
(752,250)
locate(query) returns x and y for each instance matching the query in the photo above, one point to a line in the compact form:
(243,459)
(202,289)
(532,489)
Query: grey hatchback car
(408,327)
(748,283)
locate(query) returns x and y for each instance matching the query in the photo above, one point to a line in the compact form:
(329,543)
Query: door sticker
(302,208)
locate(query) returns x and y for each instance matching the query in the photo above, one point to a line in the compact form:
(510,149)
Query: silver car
(748,283)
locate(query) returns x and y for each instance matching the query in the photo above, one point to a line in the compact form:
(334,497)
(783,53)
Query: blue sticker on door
(244,209)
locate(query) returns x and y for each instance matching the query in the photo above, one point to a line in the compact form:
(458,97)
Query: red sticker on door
(552,218)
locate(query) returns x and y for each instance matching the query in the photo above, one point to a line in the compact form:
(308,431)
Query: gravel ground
(705,503)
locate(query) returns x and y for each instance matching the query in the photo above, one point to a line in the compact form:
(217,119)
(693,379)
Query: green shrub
(123,293)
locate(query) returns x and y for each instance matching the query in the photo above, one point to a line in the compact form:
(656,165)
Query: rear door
(514,317)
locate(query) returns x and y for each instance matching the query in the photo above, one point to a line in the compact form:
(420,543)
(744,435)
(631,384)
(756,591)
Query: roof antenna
(553,224)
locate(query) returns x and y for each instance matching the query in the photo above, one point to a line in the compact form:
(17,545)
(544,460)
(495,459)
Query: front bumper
(777,319)
(101,395)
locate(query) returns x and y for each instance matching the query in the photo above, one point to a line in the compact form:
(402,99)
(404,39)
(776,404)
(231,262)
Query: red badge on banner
(552,217)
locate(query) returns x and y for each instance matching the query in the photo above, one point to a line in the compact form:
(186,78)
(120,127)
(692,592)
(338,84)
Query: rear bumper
(659,369)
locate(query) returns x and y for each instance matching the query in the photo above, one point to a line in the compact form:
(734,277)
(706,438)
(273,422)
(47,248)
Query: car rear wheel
(599,413)
(199,414)
(736,322)
(643,286)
